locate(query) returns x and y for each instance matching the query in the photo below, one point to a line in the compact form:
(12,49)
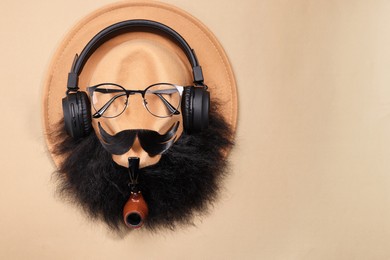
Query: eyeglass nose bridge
(133,92)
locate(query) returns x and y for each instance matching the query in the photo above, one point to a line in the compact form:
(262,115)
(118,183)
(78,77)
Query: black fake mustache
(151,141)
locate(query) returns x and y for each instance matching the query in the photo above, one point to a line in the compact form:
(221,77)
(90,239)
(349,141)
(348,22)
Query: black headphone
(76,105)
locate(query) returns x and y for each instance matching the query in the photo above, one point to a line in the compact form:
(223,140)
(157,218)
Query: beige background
(310,175)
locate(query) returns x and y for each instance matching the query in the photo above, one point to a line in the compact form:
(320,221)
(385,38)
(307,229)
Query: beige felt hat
(217,71)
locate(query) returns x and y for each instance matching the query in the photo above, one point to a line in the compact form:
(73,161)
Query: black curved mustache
(151,141)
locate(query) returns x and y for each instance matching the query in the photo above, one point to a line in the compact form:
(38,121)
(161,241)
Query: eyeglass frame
(99,113)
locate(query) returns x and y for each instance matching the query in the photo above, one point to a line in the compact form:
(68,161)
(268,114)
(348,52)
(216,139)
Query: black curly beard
(184,183)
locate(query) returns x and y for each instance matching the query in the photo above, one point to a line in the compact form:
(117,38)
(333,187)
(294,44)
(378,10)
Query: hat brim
(216,67)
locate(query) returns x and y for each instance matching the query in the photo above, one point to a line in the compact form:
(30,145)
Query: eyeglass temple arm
(103,109)
(171,108)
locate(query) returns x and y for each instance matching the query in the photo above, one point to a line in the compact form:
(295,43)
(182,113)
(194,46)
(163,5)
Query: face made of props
(135,65)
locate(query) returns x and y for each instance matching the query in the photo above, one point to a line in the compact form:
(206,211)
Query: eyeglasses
(110,100)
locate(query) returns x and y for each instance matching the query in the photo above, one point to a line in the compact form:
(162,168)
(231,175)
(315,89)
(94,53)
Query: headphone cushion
(200,109)
(85,113)
(187,108)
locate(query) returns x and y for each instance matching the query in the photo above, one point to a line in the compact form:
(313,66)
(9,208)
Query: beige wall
(310,175)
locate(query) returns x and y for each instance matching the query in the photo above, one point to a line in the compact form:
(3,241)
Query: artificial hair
(182,185)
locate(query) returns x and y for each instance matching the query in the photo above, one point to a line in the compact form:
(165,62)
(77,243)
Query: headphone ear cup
(186,108)
(77,114)
(195,109)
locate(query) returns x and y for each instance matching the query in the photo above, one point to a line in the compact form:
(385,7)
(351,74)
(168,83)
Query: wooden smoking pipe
(135,210)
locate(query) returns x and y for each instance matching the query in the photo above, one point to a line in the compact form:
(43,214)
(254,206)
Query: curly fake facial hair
(183,184)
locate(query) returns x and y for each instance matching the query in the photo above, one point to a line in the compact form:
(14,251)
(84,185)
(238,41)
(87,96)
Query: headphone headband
(124,27)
